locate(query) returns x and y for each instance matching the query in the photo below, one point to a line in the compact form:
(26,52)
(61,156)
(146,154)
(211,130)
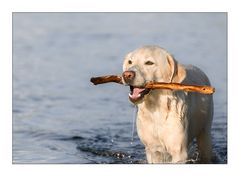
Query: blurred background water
(60,117)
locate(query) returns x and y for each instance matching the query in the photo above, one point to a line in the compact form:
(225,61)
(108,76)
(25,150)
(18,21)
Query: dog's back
(200,112)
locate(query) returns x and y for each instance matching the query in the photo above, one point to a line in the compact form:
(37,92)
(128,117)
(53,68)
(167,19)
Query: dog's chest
(157,120)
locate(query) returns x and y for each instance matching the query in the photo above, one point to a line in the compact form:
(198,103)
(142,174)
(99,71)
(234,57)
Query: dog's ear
(172,67)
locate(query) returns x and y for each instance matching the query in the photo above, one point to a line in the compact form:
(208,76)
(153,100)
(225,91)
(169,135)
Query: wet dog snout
(128,76)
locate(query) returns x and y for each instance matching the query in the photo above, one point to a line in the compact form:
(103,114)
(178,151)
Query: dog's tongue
(136,92)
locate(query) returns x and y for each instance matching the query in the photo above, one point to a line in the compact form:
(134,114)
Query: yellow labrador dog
(168,121)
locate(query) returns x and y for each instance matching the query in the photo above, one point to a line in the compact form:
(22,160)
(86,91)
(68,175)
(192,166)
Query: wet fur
(168,121)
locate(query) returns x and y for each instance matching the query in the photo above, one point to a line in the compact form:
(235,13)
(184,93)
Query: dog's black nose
(128,76)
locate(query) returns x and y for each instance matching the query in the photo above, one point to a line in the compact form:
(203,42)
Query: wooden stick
(106,79)
(156,85)
(176,86)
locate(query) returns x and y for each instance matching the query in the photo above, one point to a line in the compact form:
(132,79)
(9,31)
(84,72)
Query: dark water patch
(108,146)
(74,138)
(104,152)
(220,153)
(110,156)
(101,139)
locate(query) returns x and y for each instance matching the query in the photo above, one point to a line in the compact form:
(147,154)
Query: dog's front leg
(179,152)
(156,156)
(177,147)
(179,157)
(149,155)
(153,157)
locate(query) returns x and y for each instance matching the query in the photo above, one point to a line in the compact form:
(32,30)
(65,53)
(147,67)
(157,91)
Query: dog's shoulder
(195,75)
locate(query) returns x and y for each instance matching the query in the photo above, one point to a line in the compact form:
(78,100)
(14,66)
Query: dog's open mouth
(137,93)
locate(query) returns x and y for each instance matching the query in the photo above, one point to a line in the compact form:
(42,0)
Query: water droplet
(133,123)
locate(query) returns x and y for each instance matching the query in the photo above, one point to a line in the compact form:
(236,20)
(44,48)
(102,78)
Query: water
(60,117)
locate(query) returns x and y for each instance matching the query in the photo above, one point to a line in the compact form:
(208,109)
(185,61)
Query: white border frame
(7,7)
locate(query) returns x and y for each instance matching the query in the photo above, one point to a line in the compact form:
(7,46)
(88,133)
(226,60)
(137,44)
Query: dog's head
(148,63)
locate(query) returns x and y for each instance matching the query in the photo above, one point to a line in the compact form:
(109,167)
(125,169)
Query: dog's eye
(149,63)
(129,62)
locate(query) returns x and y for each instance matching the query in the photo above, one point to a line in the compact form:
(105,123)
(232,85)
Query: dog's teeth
(139,95)
(130,95)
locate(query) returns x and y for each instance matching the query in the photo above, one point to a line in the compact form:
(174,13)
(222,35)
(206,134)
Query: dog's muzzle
(136,93)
